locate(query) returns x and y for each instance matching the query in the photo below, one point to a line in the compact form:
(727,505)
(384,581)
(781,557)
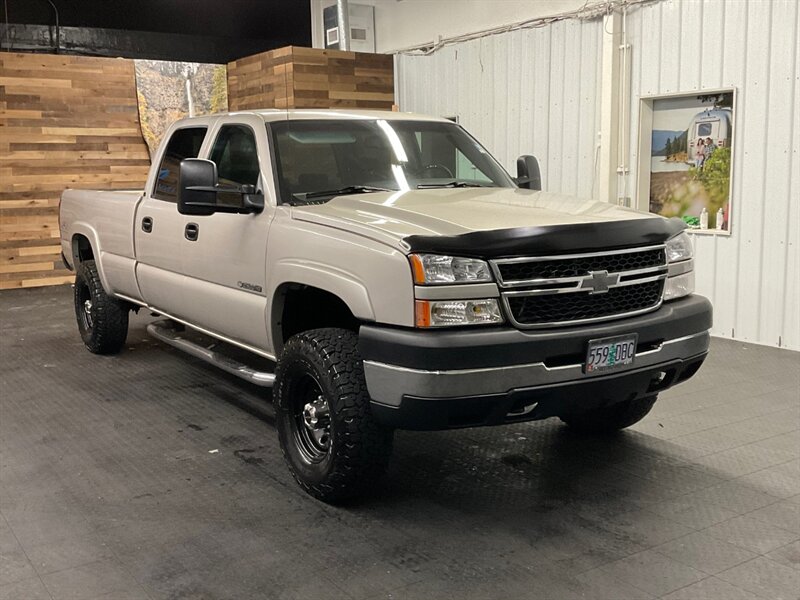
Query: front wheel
(612,418)
(333,446)
(102,319)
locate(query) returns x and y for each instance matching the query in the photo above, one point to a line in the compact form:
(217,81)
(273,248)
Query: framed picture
(685,158)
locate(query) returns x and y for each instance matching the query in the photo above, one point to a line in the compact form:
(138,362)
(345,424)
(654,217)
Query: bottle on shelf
(720,219)
(704,218)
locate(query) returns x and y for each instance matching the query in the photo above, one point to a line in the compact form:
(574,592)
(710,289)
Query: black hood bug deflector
(551,239)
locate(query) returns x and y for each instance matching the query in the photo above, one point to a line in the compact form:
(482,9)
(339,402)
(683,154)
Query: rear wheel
(102,320)
(333,446)
(611,418)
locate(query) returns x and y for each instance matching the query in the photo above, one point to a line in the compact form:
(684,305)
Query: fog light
(679,286)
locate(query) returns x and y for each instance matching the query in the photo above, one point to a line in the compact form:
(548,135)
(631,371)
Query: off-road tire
(611,418)
(359,447)
(105,330)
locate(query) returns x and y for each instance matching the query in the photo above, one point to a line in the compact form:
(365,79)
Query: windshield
(322,158)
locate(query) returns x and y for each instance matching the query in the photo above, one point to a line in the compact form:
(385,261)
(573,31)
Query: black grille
(557,308)
(579,266)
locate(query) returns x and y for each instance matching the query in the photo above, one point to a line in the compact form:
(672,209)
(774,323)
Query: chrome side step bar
(162,331)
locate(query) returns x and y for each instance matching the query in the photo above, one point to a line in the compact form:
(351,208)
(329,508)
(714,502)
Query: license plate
(610,353)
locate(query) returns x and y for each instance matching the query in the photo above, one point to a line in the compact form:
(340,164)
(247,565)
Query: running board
(162,331)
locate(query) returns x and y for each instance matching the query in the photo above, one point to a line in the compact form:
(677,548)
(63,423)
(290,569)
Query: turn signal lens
(444,313)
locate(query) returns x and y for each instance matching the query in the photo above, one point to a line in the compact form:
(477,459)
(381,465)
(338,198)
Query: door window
(236,157)
(184,143)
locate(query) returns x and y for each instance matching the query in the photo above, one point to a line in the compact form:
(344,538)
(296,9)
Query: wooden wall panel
(295,77)
(65,121)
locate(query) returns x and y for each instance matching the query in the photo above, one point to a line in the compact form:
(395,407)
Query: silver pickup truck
(390,274)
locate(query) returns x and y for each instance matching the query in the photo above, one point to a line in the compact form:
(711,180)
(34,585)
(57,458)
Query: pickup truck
(384,272)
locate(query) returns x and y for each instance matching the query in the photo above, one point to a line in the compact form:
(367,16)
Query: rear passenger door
(159,228)
(225,264)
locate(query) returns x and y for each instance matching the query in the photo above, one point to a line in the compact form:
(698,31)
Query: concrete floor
(151,475)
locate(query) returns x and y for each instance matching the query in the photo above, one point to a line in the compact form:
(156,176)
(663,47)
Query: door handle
(147,224)
(192,231)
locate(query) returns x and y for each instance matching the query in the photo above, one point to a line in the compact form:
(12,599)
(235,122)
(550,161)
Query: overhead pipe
(58,28)
(343,22)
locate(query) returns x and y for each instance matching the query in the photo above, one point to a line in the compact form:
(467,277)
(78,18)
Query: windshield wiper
(450,184)
(350,189)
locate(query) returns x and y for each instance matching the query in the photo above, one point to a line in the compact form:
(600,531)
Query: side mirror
(197,187)
(251,202)
(528,174)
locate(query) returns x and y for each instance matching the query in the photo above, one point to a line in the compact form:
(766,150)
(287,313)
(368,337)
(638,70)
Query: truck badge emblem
(249,286)
(599,281)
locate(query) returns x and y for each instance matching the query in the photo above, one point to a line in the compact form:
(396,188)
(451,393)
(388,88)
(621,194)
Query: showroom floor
(150,475)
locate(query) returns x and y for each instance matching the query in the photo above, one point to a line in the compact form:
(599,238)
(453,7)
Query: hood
(421,220)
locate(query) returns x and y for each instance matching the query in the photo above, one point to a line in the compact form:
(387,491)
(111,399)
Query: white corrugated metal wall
(753,276)
(537,91)
(484,81)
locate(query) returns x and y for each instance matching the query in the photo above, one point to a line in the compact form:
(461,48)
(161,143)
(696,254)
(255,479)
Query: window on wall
(184,143)
(236,157)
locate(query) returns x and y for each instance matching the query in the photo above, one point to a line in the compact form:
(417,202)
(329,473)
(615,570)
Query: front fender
(342,284)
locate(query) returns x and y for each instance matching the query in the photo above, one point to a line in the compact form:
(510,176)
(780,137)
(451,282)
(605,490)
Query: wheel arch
(298,307)
(85,245)
(81,249)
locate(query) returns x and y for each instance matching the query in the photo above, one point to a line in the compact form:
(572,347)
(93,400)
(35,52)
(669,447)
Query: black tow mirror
(528,174)
(198,187)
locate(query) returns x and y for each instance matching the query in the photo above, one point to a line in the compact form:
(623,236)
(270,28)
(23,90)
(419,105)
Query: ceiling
(280,21)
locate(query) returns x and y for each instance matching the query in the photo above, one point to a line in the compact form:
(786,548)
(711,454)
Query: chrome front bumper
(464,377)
(388,384)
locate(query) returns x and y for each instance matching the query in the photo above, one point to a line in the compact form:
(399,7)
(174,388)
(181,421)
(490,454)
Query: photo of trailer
(690,151)
(715,124)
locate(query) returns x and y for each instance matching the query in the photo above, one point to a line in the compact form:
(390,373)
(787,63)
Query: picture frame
(680,172)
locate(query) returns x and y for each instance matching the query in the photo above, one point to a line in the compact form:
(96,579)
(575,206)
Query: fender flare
(341,284)
(87,231)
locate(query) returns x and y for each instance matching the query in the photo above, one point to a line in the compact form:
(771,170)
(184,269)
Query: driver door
(225,255)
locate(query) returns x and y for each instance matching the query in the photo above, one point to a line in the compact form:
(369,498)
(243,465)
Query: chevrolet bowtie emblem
(598,282)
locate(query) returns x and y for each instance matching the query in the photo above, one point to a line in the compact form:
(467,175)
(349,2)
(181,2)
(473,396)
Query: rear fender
(84,229)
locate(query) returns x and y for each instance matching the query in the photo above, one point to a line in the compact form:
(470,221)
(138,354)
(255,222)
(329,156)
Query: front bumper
(464,378)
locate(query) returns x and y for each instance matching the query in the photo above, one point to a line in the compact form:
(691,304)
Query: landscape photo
(171,90)
(690,159)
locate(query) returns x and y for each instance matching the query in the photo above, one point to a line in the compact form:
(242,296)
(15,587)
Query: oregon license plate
(610,353)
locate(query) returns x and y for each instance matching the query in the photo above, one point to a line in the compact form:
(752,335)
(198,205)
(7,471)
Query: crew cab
(381,270)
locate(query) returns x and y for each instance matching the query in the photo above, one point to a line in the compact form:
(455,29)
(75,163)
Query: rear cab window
(184,143)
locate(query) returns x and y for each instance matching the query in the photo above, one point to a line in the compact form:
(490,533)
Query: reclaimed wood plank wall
(65,121)
(73,121)
(294,77)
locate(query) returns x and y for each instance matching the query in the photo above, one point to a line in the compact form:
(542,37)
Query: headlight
(679,248)
(680,280)
(444,313)
(435,268)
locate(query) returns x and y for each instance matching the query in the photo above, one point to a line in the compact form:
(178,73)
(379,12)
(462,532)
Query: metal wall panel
(505,93)
(681,46)
(537,91)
